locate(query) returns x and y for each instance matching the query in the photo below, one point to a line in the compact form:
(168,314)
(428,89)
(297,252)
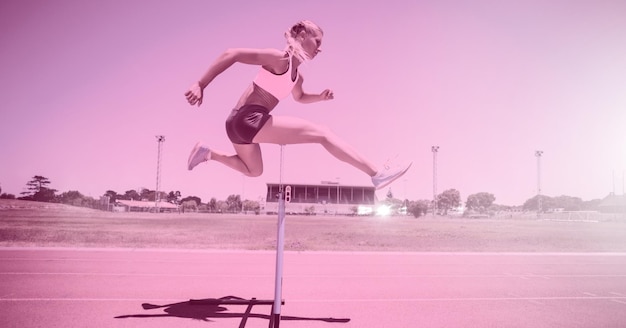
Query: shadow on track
(212,308)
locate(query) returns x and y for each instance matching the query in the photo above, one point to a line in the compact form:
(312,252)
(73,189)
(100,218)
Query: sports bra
(278,85)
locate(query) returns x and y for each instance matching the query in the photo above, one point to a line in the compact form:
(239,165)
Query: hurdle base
(274,320)
(232,301)
(273,317)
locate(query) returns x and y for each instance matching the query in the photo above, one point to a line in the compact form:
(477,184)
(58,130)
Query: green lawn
(27,224)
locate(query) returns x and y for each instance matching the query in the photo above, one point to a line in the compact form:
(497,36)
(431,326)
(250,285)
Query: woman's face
(312,43)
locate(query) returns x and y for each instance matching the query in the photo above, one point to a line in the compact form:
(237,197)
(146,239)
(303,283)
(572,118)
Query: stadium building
(325,198)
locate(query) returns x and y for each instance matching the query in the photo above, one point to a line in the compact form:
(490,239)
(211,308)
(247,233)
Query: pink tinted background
(86,86)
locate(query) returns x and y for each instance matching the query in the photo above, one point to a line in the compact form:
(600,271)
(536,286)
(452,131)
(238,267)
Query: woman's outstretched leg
(292,130)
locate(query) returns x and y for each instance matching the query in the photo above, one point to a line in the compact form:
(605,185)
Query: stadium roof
(322,184)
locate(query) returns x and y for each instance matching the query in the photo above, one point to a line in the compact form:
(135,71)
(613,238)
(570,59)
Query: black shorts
(244,123)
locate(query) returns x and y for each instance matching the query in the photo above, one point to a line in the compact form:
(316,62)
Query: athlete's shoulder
(267,52)
(262,56)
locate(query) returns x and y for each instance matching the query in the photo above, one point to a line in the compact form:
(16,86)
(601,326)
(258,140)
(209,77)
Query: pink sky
(86,86)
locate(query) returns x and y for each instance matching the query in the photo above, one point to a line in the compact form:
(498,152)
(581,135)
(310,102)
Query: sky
(86,86)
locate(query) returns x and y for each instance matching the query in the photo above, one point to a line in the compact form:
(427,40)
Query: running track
(106,288)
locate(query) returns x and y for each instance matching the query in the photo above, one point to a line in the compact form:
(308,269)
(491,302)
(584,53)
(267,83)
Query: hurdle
(280,246)
(277,302)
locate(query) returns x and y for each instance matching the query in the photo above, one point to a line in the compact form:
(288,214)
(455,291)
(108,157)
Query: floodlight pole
(613,180)
(435,150)
(338,198)
(243,191)
(157,195)
(538,154)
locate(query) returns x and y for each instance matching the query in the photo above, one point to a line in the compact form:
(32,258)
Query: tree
(547,203)
(591,205)
(212,205)
(38,190)
(151,195)
(197,199)
(190,204)
(233,203)
(75,198)
(394,204)
(131,195)
(389,194)
(221,206)
(173,197)
(71,197)
(45,195)
(418,208)
(37,182)
(147,194)
(7,196)
(448,199)
(568,203)
(250,205)
(113,196)
(480,202)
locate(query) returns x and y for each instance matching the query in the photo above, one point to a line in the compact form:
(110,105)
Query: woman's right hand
(194,95)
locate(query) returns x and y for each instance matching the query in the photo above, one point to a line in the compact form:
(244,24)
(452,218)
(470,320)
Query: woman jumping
(251,124)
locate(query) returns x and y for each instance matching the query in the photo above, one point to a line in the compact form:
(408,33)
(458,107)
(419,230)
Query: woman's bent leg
(247,160)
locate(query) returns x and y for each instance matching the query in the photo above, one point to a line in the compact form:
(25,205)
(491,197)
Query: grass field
(28,224)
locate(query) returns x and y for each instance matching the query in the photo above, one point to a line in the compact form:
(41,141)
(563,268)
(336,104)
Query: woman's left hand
(327,94)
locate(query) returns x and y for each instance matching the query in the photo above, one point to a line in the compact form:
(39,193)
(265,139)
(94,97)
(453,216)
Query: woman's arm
(268,57)
(306,98)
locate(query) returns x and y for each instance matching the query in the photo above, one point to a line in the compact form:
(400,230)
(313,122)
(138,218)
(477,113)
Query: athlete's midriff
(254,95)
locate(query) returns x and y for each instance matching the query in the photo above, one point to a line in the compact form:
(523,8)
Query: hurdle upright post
(280,246)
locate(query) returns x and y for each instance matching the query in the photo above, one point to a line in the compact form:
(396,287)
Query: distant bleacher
(323,198)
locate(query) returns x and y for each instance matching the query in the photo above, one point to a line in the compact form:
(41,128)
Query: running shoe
(389,174)
(199,154)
